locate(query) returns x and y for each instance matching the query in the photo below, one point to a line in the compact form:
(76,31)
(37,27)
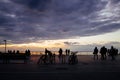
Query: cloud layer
(32,20)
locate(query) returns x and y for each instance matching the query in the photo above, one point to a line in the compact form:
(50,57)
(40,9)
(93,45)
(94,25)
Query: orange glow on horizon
(34,46)
(40,45)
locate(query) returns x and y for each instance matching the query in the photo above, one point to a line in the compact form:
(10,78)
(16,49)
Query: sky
(79,25)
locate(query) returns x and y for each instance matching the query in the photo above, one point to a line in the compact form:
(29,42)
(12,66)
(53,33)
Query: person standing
(60,55)
(103,52)
(95,53)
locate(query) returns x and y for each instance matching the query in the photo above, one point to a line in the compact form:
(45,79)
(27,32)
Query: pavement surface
(84,70)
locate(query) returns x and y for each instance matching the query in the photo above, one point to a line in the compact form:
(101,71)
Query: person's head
(111,47)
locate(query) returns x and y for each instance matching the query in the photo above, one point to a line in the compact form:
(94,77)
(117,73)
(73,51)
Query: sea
(56,52)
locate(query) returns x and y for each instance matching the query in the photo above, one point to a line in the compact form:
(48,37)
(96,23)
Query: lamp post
(5,44)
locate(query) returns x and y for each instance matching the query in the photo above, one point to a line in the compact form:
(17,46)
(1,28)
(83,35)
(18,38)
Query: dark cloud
(72,43)
(40,5)
(31,20)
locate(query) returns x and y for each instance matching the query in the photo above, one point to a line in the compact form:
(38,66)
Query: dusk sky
(78,25)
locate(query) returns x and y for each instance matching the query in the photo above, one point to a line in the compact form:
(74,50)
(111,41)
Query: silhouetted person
(67,55)
(113,52)
(46,57)
(27,54)
(95,53)
(103,51)
(42,59)
(73,58)
(50,58)
(13,51)
(116,51)
(60,55)
(46,51)
(17,52)
(68,51)
(9,51)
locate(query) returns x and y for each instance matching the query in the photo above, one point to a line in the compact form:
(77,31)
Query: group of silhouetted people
(13,52)
(27,52)
(50,58)
(70,57)
(47,58)
(15,55)
(104,52)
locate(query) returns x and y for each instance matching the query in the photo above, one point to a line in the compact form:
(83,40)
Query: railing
(7,57)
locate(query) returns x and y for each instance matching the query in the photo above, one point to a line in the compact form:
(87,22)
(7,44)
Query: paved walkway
(84,70)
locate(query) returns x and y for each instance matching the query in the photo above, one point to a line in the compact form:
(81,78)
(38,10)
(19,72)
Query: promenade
(86,69)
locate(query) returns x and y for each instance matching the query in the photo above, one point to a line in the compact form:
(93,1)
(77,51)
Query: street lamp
(5,44)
